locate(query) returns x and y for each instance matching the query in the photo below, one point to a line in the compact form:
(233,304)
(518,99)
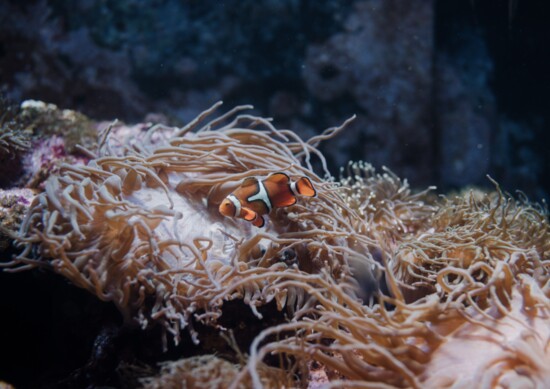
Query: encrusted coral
(38,119)
(14,205)
(14,141)
(36,137)
(43,120)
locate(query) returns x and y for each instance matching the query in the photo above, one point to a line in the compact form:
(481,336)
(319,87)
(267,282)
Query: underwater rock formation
(13,141)
(380,286)
(47,59)
(387,73)
(36,137)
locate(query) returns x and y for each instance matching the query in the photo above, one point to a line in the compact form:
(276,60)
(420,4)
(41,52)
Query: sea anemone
(209,372)
(425,344)
(139,224)
(477,279)
(475,249)
(383,287)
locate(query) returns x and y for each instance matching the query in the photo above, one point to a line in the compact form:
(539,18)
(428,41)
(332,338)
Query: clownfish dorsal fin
(249,181)
(278,178)
(248,214)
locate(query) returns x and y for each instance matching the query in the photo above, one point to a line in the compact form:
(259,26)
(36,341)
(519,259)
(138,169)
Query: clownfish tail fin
(304,187)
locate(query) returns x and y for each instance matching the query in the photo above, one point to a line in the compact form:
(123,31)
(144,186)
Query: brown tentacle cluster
(139,224)
(475,250)
(479,273)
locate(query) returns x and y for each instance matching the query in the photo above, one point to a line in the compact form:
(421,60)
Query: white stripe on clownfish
(236,203)
(293,188)
(261,195)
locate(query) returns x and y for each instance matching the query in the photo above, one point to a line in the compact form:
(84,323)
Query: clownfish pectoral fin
(248,214)
(305,187)
(278,178)
(284,199)
(259,221)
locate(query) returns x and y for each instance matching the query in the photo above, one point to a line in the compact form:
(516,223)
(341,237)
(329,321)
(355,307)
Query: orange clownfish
(255,197)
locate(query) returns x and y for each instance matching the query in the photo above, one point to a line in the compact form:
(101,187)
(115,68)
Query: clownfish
(256,197)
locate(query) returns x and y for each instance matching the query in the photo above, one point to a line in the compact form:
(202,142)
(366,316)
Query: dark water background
(445,91)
